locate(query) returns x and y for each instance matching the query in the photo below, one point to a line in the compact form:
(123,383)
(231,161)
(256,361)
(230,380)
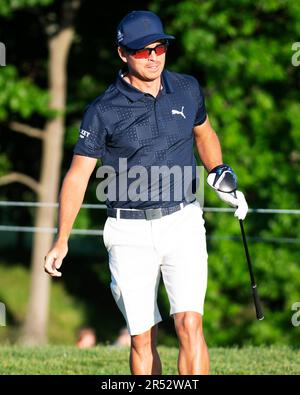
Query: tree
(60,32)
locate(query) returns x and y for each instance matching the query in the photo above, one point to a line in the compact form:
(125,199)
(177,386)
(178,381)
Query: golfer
(149,118)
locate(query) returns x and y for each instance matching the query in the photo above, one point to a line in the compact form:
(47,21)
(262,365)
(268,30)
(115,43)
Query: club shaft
(247,254)
(258,308)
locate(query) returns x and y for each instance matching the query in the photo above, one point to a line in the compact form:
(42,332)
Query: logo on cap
(120,36)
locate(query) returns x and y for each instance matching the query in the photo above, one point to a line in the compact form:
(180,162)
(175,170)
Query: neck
(152,87)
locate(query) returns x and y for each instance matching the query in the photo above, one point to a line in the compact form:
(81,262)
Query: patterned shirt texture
(146,132)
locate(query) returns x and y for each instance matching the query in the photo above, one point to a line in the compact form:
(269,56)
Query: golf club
(228,183)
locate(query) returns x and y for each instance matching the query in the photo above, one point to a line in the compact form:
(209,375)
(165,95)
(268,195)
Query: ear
(122,54)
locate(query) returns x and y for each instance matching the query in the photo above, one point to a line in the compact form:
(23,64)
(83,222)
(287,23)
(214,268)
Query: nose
(153,55)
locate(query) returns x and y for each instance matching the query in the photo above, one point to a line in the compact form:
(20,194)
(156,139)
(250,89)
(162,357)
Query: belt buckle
(153,213)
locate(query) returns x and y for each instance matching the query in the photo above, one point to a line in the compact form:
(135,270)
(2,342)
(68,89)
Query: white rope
(37,204)
(103,206)
(255,210)
(258,239)
(91,232)
(33,229)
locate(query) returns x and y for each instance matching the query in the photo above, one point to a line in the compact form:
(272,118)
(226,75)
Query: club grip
(258,308)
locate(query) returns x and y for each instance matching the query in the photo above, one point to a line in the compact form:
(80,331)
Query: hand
(54,258)
(239,201)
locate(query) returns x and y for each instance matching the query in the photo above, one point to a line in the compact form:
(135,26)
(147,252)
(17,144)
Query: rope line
(94,232)
(103,206)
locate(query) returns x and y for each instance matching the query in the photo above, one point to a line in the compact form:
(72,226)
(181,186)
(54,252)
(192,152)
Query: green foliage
(4,164)
(20,96)
(7,7)
(71,136)
(240,51)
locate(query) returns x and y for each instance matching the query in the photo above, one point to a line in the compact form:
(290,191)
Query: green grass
(108,360)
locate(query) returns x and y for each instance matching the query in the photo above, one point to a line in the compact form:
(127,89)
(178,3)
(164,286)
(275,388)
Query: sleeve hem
(87,155)
(202,120)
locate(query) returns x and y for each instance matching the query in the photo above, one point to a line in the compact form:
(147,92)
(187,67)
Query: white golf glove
(239,202)
(222,178)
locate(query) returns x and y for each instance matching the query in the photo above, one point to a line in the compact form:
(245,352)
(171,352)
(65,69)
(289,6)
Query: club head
(227,182)
(223,179)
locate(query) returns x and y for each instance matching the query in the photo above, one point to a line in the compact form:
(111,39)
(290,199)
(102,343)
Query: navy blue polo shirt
(145,131)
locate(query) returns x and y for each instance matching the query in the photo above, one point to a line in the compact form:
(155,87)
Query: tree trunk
(35,327)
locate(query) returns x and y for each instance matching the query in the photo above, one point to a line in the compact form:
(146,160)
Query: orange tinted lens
(141,54)
(144,53)
(161,49)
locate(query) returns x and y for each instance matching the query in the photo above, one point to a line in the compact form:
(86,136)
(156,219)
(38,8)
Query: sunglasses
(145,53)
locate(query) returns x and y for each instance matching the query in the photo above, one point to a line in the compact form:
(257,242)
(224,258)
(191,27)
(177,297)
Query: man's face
(146,68)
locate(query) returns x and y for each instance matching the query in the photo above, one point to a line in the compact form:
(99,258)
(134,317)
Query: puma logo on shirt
(179,112)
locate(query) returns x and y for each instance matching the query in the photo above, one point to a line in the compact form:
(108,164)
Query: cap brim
(142,42)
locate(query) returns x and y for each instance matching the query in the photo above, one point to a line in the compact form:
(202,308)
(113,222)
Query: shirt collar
(133,93)
(167,85)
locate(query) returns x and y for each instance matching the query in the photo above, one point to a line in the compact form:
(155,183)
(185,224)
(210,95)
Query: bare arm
(71,197)
(72,193)
(208,145)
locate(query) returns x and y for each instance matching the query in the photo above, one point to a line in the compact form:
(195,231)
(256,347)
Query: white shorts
(139,250)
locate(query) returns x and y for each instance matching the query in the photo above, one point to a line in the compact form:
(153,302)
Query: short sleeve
(92,134)
(200,103)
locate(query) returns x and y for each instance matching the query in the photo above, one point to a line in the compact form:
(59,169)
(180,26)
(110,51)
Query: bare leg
(193,353)
(144,358)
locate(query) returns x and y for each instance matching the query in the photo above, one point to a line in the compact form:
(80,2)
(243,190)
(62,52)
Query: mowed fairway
(107,360)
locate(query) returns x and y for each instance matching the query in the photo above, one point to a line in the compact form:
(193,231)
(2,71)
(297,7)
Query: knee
(140,341)
(144,341)
(188,325)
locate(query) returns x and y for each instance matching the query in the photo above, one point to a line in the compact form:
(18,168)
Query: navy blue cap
(140,28)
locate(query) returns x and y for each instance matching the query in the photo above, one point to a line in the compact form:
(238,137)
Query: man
(150,117)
